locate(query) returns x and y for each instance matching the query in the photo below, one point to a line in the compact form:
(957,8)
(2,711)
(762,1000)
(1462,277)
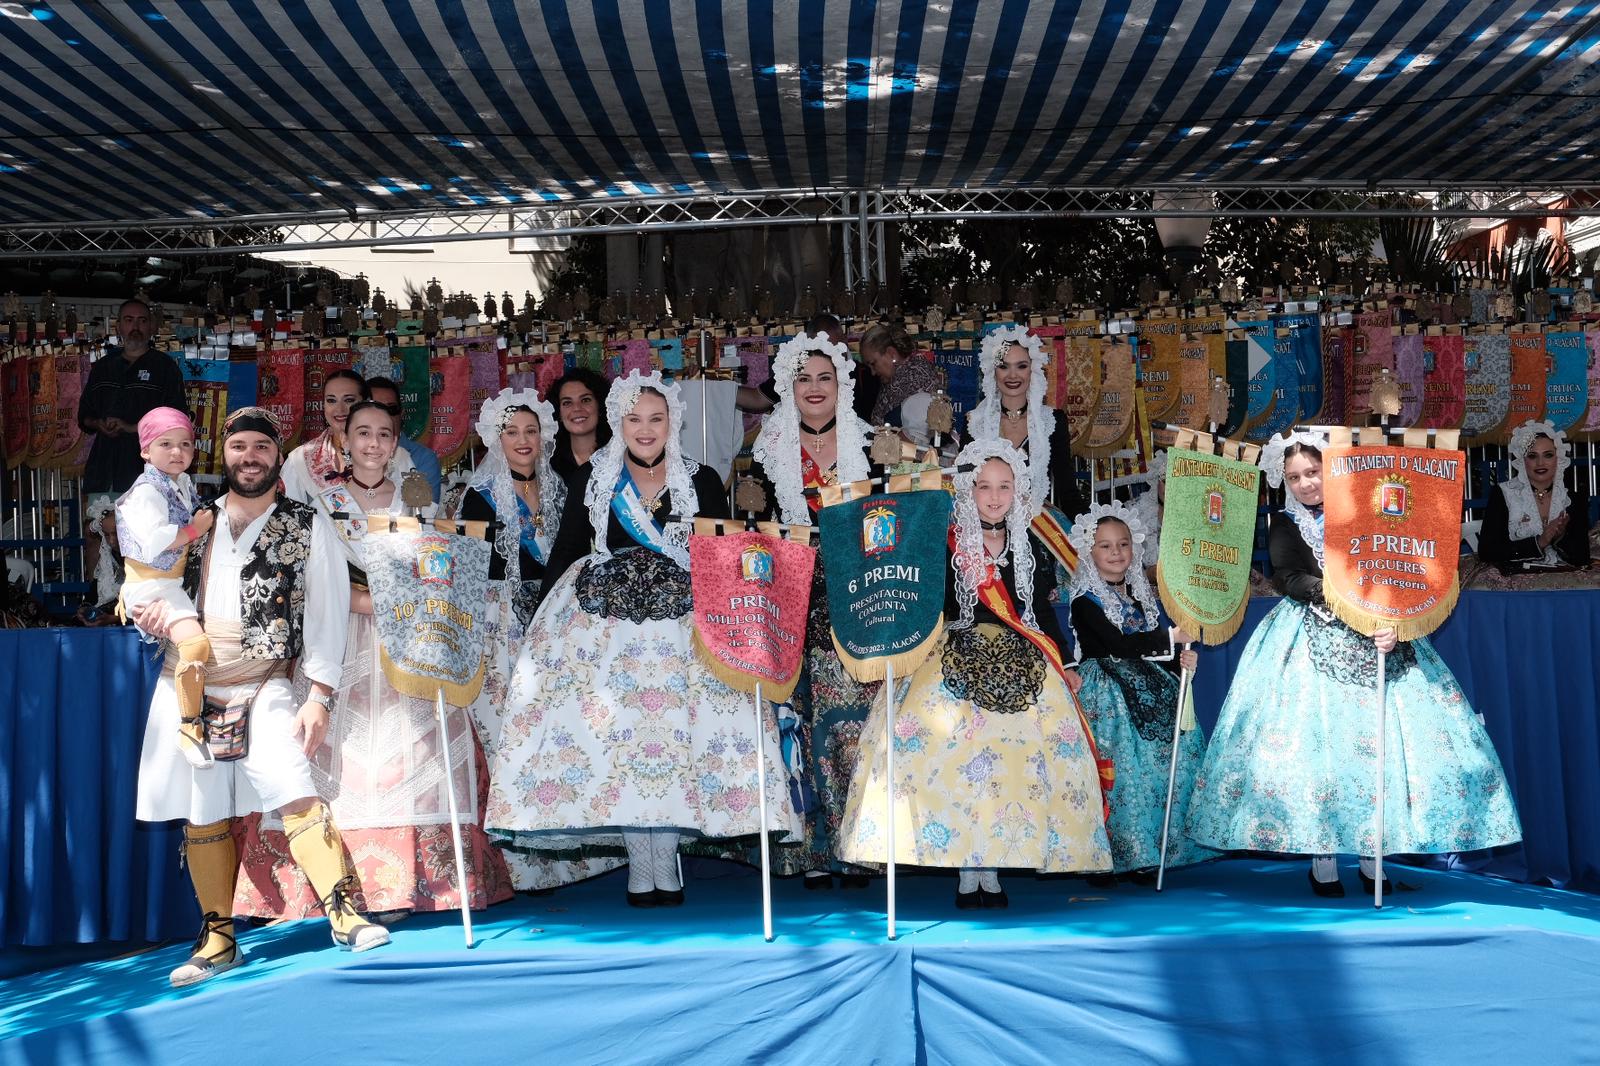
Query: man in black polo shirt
(123,386)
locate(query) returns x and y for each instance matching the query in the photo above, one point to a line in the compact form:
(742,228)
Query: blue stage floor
(1235,962)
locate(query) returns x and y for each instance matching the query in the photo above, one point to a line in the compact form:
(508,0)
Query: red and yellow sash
(1054,537)
(811,475)
(994,595)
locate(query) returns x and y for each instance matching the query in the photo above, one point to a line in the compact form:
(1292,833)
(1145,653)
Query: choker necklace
(1541,494)
(1015,416)
(524,477)
(370,490)
(991,527)
(648,466)
(816,434)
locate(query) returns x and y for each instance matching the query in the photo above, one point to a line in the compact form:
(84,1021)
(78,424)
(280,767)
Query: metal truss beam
(859,210)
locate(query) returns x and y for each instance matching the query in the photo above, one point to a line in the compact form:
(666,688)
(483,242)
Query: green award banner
(1207,530)
(884,556)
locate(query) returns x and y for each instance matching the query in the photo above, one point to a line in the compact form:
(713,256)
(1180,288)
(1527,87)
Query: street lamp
(1183,237)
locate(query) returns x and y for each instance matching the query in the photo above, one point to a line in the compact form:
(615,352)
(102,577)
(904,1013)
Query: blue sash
(526,533)
(627,506)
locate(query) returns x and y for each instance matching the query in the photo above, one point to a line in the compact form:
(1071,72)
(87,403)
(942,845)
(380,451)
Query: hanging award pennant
(1528,371)
(429,595)
(205,388)
(319,363)
(1567,384)
(42,409)
(416,387)
(1160,341)
(1208,527)
(1373,351)
(1114,414)
(884,556)
(281,389)
(1410,370)
(1590,429)
(1486,362)
(1392,533)
(752,592)
(15,403)
(1444,380)
(450,430)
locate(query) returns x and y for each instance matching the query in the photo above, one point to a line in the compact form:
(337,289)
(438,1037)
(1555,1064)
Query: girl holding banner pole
(1127,659)
(382,770)
(1291,766)
(814,438)
(994,763)
(615,732)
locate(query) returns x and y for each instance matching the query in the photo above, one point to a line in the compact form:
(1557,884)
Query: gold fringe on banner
(1405,629)
(426,688)
(740,681)
(1207,633)
(905,663)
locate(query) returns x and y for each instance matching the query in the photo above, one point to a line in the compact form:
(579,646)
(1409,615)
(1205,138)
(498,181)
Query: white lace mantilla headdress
(606,466)
(1521,504)
(106,584)
(1271,463)
(984,420)
(493,476)
(1087,580)
(777,448)
(1148,505)
(969,561)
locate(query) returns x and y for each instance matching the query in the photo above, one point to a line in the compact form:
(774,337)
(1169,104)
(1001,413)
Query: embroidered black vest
(272,585)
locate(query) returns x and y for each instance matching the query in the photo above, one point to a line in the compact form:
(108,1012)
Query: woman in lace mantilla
(614,733)
(1291,766)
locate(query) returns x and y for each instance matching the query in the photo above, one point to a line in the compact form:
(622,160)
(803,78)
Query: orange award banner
(1529,366)
(1393,536)
(752,591)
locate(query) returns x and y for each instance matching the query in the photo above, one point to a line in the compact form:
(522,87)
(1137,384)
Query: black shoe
(642,899)
(994,901)
(1101,880)
(539,892)
(669,897)
(854,880)
(818,884)
(1326,889)
(970,901)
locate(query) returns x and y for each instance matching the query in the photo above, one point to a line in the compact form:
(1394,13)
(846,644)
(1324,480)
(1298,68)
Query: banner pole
(1172,773)
(455,815)
(1383,722)
(766,845)
(888,736)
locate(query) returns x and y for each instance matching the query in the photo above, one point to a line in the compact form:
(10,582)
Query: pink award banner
(42,411)
(72,370)
(1409,372)
(1374,350)
(752,592)
(1444,381)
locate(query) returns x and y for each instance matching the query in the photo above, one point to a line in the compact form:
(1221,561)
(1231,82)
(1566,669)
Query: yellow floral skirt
(975,786)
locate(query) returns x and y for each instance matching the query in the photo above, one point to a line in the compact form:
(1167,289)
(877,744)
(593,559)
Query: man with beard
(271,586)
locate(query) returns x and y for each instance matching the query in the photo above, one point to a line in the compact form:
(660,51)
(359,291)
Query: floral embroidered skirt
(1006,779)
(1292,765)
(382,775)
(612,723)
(1131,705)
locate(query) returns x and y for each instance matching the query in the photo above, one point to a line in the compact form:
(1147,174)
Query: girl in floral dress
(994,763)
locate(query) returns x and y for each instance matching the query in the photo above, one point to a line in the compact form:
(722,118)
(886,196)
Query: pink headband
(159,421)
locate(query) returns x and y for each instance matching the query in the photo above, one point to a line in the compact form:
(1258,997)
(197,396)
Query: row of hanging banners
(1110,378)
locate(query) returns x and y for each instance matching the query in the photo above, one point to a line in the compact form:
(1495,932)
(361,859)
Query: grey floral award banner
(429,602)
